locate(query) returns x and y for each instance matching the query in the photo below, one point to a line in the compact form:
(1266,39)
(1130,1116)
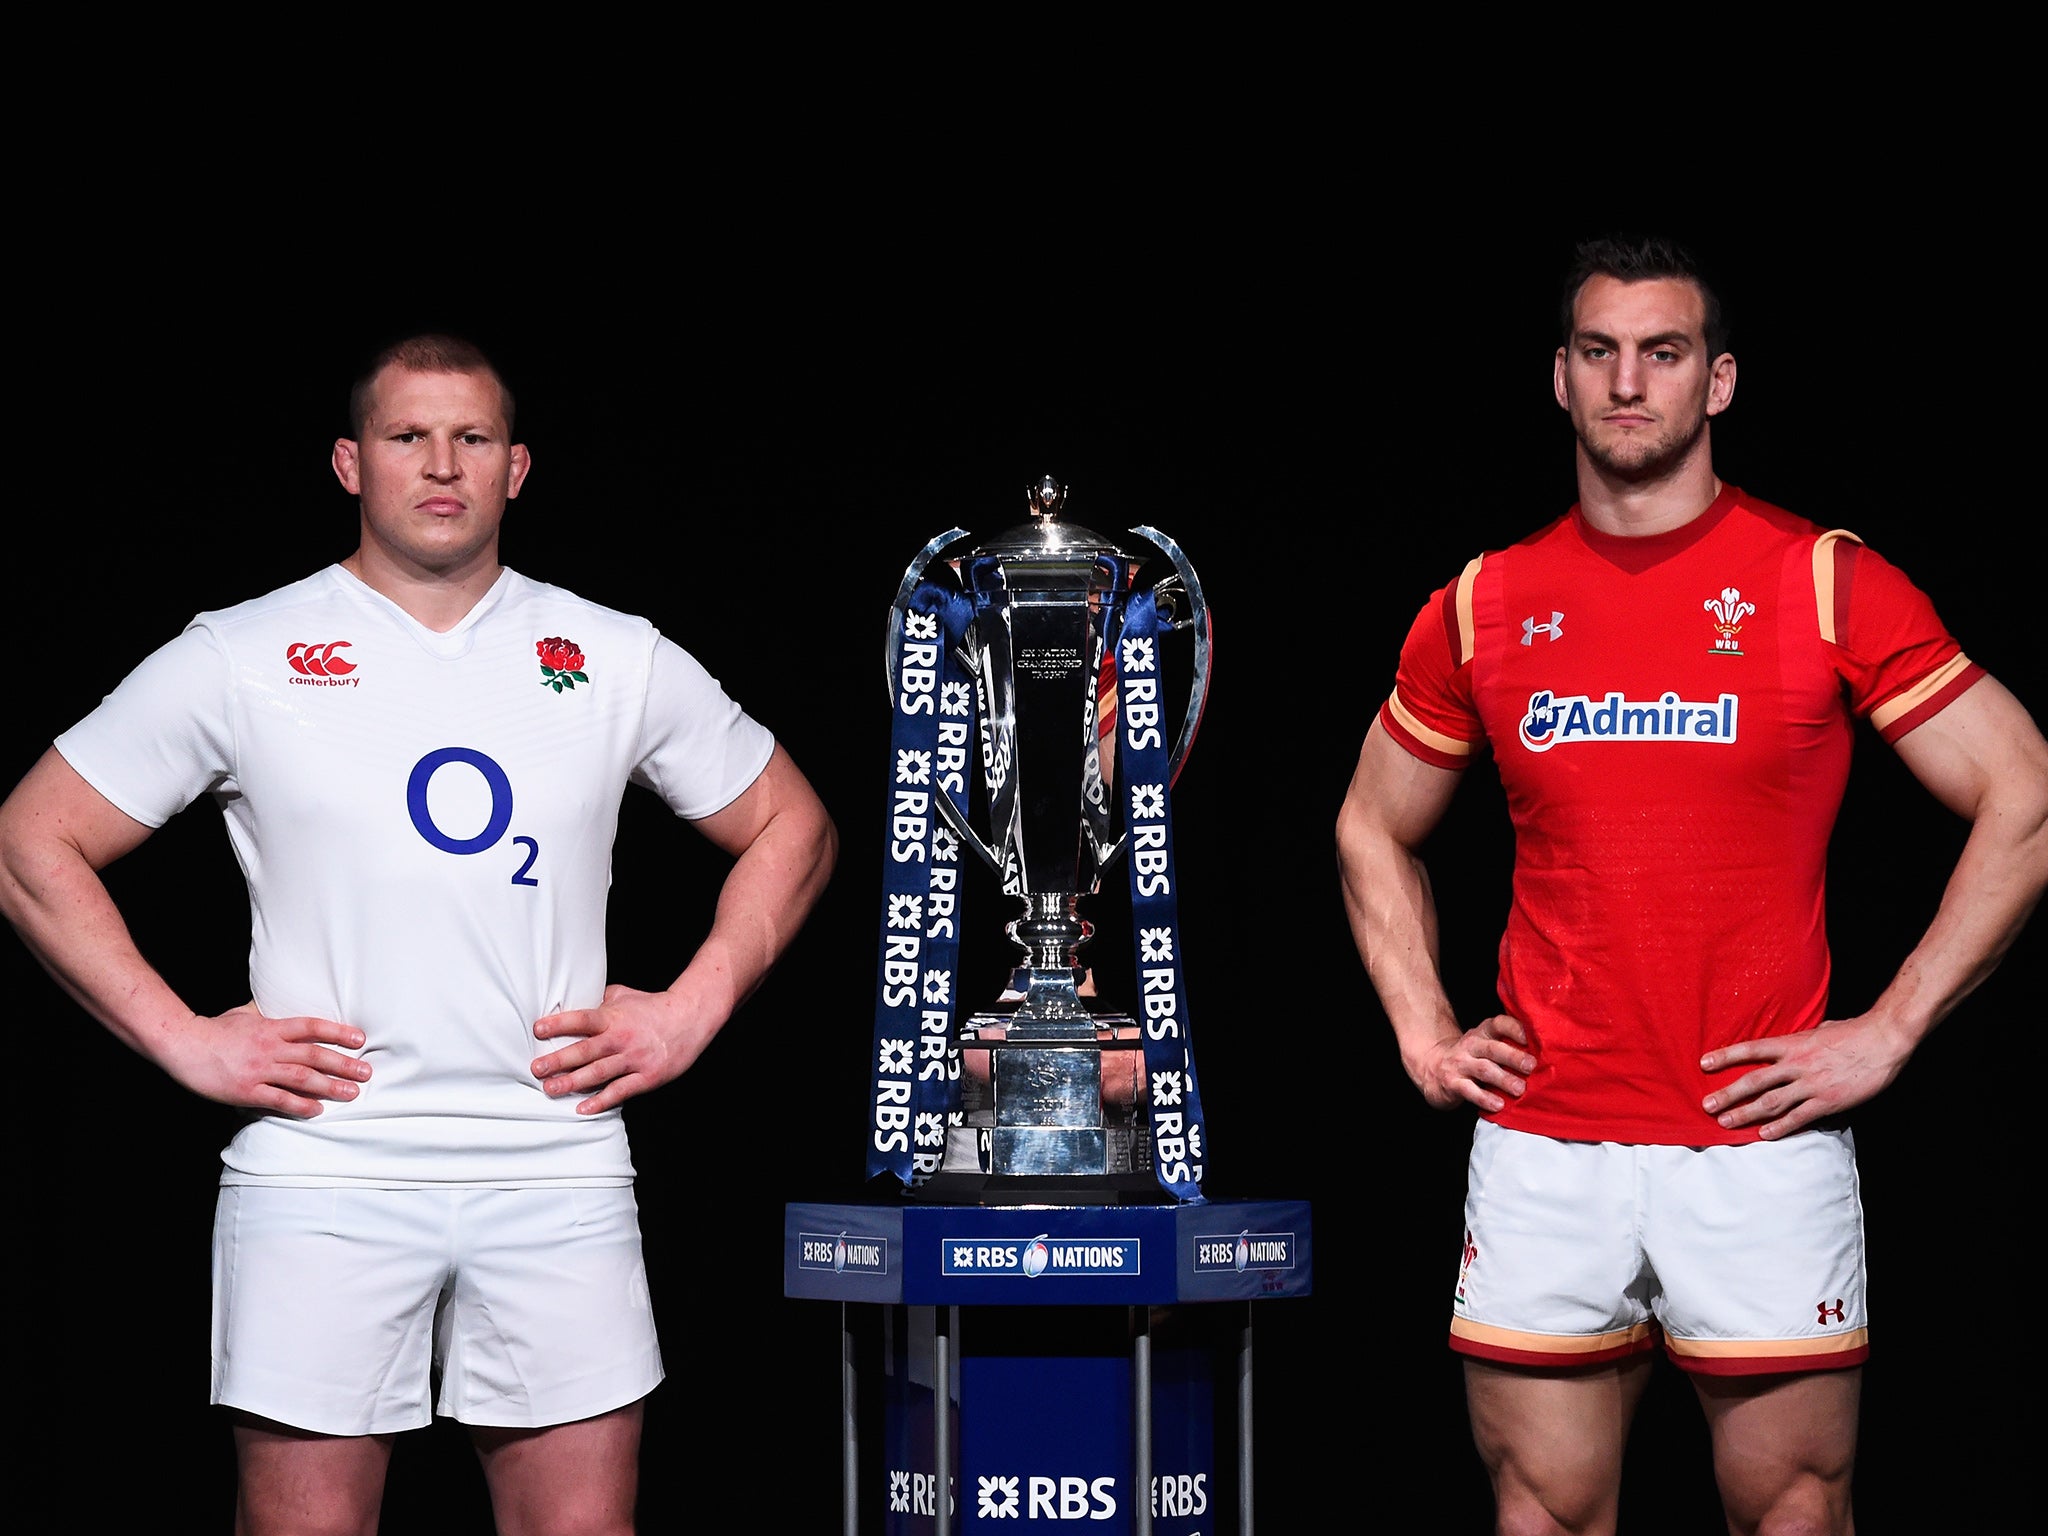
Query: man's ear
(522,461)
(1721,384)
(345,466)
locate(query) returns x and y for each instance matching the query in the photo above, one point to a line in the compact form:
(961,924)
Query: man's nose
(442,461)
(1626,382)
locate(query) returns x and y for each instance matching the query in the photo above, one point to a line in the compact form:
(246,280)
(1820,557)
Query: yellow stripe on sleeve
(1467,641)
(1824,578)
(1422,733)
(1928,686)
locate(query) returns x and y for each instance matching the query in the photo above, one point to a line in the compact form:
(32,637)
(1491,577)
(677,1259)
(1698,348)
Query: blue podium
(1007,1366)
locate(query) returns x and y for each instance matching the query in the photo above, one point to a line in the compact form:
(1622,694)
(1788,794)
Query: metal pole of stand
(1141,1423)
(1244,1426)
(849,1444)
(942,1423)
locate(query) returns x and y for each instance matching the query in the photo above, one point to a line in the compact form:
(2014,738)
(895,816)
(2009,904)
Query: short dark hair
(1632,258)
(428,352)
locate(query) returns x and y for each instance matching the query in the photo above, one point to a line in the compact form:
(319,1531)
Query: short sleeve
(1898,663)
(163,737)
(698,749)
(1431,712)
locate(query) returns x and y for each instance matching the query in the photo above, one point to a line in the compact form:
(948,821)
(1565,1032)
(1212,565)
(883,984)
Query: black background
(1332,390)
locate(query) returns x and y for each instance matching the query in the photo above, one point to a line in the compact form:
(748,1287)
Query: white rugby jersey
(425,822)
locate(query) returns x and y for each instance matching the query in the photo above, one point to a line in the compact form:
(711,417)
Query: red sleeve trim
(1419,740)
(1926,698)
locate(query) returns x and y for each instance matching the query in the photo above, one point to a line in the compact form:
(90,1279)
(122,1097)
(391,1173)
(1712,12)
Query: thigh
(1552,1440)
(1759,1255)
(577,1479)
(323,1305)
(1552,1272)
(295,1483)
(1784,1448)
(549,1320)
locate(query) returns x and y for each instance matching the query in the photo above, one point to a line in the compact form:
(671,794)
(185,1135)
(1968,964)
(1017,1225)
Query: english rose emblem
(561,663)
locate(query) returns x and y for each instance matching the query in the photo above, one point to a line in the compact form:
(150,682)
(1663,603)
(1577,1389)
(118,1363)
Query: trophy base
(959,1187)
(995,1165)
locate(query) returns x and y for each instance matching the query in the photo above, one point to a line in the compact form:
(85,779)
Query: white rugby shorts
(1745,1260)
(337,1310)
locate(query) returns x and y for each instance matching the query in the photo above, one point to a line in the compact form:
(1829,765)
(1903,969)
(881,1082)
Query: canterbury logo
(318,660)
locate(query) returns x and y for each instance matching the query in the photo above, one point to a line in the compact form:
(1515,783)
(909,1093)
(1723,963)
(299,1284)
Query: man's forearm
(1392,913)
(67,919)
(768,894)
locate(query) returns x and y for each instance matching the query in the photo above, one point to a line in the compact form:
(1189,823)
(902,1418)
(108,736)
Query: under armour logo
(1531,629)
(1835,1311)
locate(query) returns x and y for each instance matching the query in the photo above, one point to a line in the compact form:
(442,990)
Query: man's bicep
(779,787)
(1393,793)
(54,801)
(1985,740)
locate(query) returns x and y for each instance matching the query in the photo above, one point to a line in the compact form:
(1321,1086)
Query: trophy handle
(1188,586)
(1197,619)
(912,574)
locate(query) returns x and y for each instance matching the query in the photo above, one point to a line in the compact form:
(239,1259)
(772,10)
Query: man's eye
(474,439)
(1665,355)
(1596,354)
(405,437)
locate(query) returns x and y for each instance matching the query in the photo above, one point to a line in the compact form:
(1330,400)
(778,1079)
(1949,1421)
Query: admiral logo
(1218,1253)
(319,666)
(843,1253)
(1032,1257)
(1552,721)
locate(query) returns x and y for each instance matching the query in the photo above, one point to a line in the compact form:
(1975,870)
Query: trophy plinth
(1053,1092)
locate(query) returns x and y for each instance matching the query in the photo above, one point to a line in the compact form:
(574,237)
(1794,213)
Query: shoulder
(526,596)
(322,587)
(1453,608)
(1771,519)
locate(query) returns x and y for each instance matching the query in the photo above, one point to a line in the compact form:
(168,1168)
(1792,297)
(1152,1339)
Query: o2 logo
(500,787)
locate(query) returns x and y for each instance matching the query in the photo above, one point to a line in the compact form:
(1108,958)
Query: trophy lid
(1048,533)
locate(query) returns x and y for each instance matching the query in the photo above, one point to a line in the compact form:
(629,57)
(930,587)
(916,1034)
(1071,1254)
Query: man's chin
(1640,463)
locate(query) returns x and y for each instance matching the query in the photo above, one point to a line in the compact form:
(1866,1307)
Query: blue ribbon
(916,1064)
(1179,1135)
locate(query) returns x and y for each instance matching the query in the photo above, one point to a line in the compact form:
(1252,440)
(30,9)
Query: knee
(1519,1510)
(1810,1506)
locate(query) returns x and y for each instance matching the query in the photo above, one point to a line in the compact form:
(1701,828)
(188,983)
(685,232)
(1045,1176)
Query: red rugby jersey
(1671,718)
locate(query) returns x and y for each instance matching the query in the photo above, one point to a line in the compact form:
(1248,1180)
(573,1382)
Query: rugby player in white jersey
(420,756)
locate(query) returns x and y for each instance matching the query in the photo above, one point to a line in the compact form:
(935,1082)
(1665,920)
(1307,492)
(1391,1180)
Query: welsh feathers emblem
(561,663)
(1729,610)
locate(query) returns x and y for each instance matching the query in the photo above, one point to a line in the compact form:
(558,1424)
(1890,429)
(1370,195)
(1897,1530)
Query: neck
(439,599)
(1633,509)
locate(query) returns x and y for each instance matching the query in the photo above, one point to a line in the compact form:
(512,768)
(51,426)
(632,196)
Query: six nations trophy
(1030,726)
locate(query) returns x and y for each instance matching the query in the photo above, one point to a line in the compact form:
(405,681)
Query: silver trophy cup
(1053,1092)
